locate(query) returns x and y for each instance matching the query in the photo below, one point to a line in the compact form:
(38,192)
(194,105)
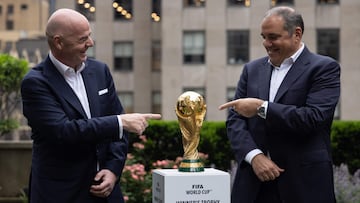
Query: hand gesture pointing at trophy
(190,110)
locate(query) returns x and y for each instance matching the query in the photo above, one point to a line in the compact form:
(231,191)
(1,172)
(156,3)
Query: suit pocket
(103,95)
(103,91)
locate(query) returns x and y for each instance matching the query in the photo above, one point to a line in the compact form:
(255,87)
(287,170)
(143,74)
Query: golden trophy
(190,110)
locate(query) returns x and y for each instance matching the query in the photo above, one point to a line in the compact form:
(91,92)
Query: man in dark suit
(279,122)
(79,128)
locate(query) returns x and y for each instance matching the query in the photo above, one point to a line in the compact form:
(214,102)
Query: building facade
(20,20)
(158,49)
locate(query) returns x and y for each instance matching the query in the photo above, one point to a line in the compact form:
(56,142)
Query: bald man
(79,127)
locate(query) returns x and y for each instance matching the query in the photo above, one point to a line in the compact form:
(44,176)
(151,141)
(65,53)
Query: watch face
(262,109)
(261,112)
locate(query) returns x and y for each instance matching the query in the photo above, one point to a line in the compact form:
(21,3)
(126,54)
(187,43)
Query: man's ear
(298,32)
(58,42)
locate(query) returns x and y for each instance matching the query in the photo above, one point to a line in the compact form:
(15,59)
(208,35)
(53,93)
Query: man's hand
(137,122)
(106,180)
(246,107)
(264,168)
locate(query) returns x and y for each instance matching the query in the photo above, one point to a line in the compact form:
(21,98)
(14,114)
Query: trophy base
(191,165)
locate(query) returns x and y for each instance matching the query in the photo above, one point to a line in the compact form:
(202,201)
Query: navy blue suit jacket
(66,144)
(296,131)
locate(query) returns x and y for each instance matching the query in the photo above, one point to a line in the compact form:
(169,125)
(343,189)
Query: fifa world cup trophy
(190,110)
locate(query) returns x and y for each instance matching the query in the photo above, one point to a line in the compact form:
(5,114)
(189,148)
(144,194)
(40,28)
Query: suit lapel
(294,73)
(89,78)
(57,81)
(264,80)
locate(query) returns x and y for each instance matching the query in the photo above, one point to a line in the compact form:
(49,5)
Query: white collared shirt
(278,73)
(75,80)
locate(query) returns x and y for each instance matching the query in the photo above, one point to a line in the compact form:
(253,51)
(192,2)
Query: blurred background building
(157,49)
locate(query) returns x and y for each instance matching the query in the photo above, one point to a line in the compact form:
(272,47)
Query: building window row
(124,52)
(123,9)
(238,48)
(247,3)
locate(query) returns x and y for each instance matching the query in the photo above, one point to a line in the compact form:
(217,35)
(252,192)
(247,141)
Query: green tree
(12,71)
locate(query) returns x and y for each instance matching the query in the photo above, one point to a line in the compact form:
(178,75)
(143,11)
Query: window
(328,1)
(9,25)
(237,46)
(194,47)
(156,10)
(156,102)
(123,56)
(282,2)
(23,6)
(10,9)
(127,101)
(194,3)
(328,43)
(87,8)
(245,3)
(156,56)
(123,9)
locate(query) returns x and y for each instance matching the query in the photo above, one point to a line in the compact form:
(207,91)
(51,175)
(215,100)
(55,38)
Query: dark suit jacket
(67,145)
(296,131)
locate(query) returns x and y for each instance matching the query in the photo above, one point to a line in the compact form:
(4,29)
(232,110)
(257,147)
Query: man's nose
(267,43)
(90,42)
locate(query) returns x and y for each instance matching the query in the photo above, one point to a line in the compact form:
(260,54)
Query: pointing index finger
(228,104)
(152,116)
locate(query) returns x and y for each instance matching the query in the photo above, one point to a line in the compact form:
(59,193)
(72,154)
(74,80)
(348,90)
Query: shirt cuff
(120,126)
(249,157)
(266,104)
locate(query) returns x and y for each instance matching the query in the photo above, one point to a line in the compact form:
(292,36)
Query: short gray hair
(291,17)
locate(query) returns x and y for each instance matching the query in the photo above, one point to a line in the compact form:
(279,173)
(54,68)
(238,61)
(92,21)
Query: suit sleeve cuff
(249,156)
(120,126)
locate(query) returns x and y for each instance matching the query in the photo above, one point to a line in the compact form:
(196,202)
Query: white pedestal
(172,186)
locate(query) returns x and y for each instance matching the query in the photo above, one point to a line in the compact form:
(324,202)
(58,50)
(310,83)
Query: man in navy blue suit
(279,122)
(79,127)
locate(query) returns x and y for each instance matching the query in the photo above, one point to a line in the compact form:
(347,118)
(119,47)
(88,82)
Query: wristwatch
(261,110)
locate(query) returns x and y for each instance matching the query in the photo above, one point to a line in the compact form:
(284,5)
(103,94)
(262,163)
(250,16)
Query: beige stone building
(158,49)
(21,19)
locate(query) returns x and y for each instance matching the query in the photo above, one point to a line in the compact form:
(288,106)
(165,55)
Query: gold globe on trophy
(190,110)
